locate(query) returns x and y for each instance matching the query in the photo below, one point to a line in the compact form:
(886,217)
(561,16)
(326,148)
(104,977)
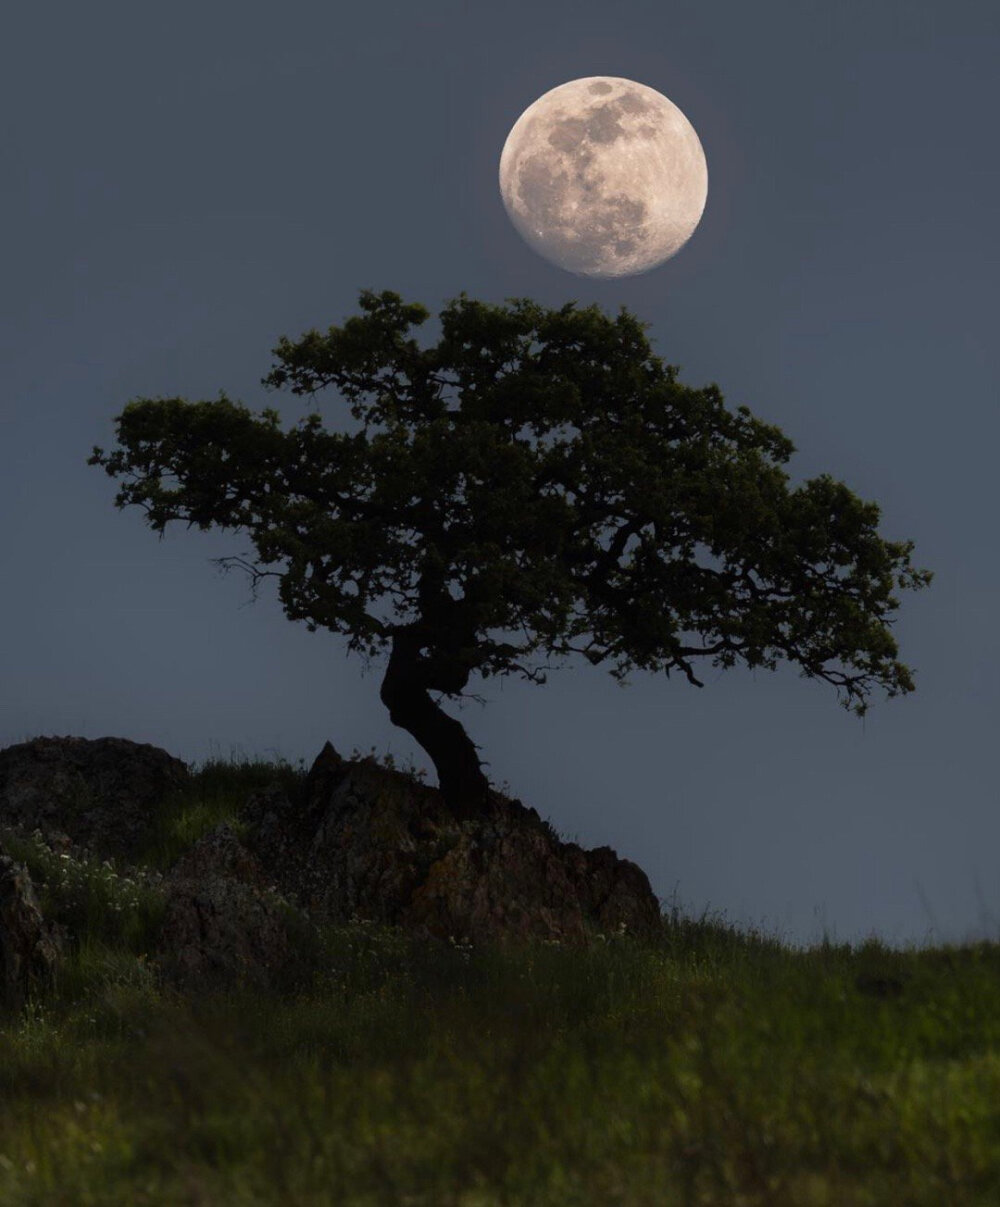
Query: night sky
(185,183)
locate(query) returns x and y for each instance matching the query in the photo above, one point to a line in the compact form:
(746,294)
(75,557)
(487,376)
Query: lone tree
(538,481)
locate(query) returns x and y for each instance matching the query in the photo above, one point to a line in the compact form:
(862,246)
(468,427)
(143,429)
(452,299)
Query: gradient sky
(185,183)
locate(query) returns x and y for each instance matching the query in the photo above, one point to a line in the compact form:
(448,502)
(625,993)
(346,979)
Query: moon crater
(604,177)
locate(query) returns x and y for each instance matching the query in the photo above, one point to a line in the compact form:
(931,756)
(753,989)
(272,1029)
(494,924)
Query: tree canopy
(536,483)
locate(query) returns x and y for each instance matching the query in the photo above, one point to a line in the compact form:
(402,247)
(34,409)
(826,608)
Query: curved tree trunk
(405,692)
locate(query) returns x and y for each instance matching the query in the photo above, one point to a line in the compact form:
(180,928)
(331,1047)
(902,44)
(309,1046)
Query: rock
(220,853)
(221,926)
(100,792)
(363,841)
(354,841)
(30,948)
(515,881)
(614,891)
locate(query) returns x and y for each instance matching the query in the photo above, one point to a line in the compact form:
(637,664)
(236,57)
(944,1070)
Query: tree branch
(227,563)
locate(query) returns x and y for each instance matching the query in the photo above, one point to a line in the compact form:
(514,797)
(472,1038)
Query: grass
(714,1066)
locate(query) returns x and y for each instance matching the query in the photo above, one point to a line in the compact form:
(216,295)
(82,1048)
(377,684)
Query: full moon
(604,177)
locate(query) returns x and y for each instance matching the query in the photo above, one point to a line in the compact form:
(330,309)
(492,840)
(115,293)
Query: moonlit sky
(185,183)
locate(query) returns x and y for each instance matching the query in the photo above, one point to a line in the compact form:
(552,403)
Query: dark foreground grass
(713,1067)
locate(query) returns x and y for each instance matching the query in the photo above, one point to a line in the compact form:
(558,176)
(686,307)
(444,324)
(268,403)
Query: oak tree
(535,484)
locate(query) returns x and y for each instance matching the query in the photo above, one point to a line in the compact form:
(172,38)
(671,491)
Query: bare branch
(533,676)
(227,563)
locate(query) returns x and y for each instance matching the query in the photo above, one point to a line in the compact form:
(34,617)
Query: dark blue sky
(185,183)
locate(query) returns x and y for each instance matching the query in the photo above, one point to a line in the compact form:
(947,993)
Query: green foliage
(216,794)
(712,1066)
(90,897)
(715,1067)
(536,483)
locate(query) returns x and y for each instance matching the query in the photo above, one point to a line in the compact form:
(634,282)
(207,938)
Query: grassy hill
(713,1066)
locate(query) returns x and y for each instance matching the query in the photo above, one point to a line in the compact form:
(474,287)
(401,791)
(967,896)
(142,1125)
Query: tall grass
(217,792)
(713,1066)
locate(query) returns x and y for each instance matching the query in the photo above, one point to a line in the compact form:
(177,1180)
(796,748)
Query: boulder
(220,853)
(30,948)
(363,841)
(509,880)
(221,925)
(354,841)
(100,792)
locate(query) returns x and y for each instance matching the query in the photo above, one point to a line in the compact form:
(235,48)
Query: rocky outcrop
(511,881)
(362,841)
(99,792)
(220,853)
(356,841)
(221,925)
(30,947)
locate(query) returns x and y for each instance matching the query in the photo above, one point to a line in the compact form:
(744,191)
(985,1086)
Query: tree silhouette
(537,482)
